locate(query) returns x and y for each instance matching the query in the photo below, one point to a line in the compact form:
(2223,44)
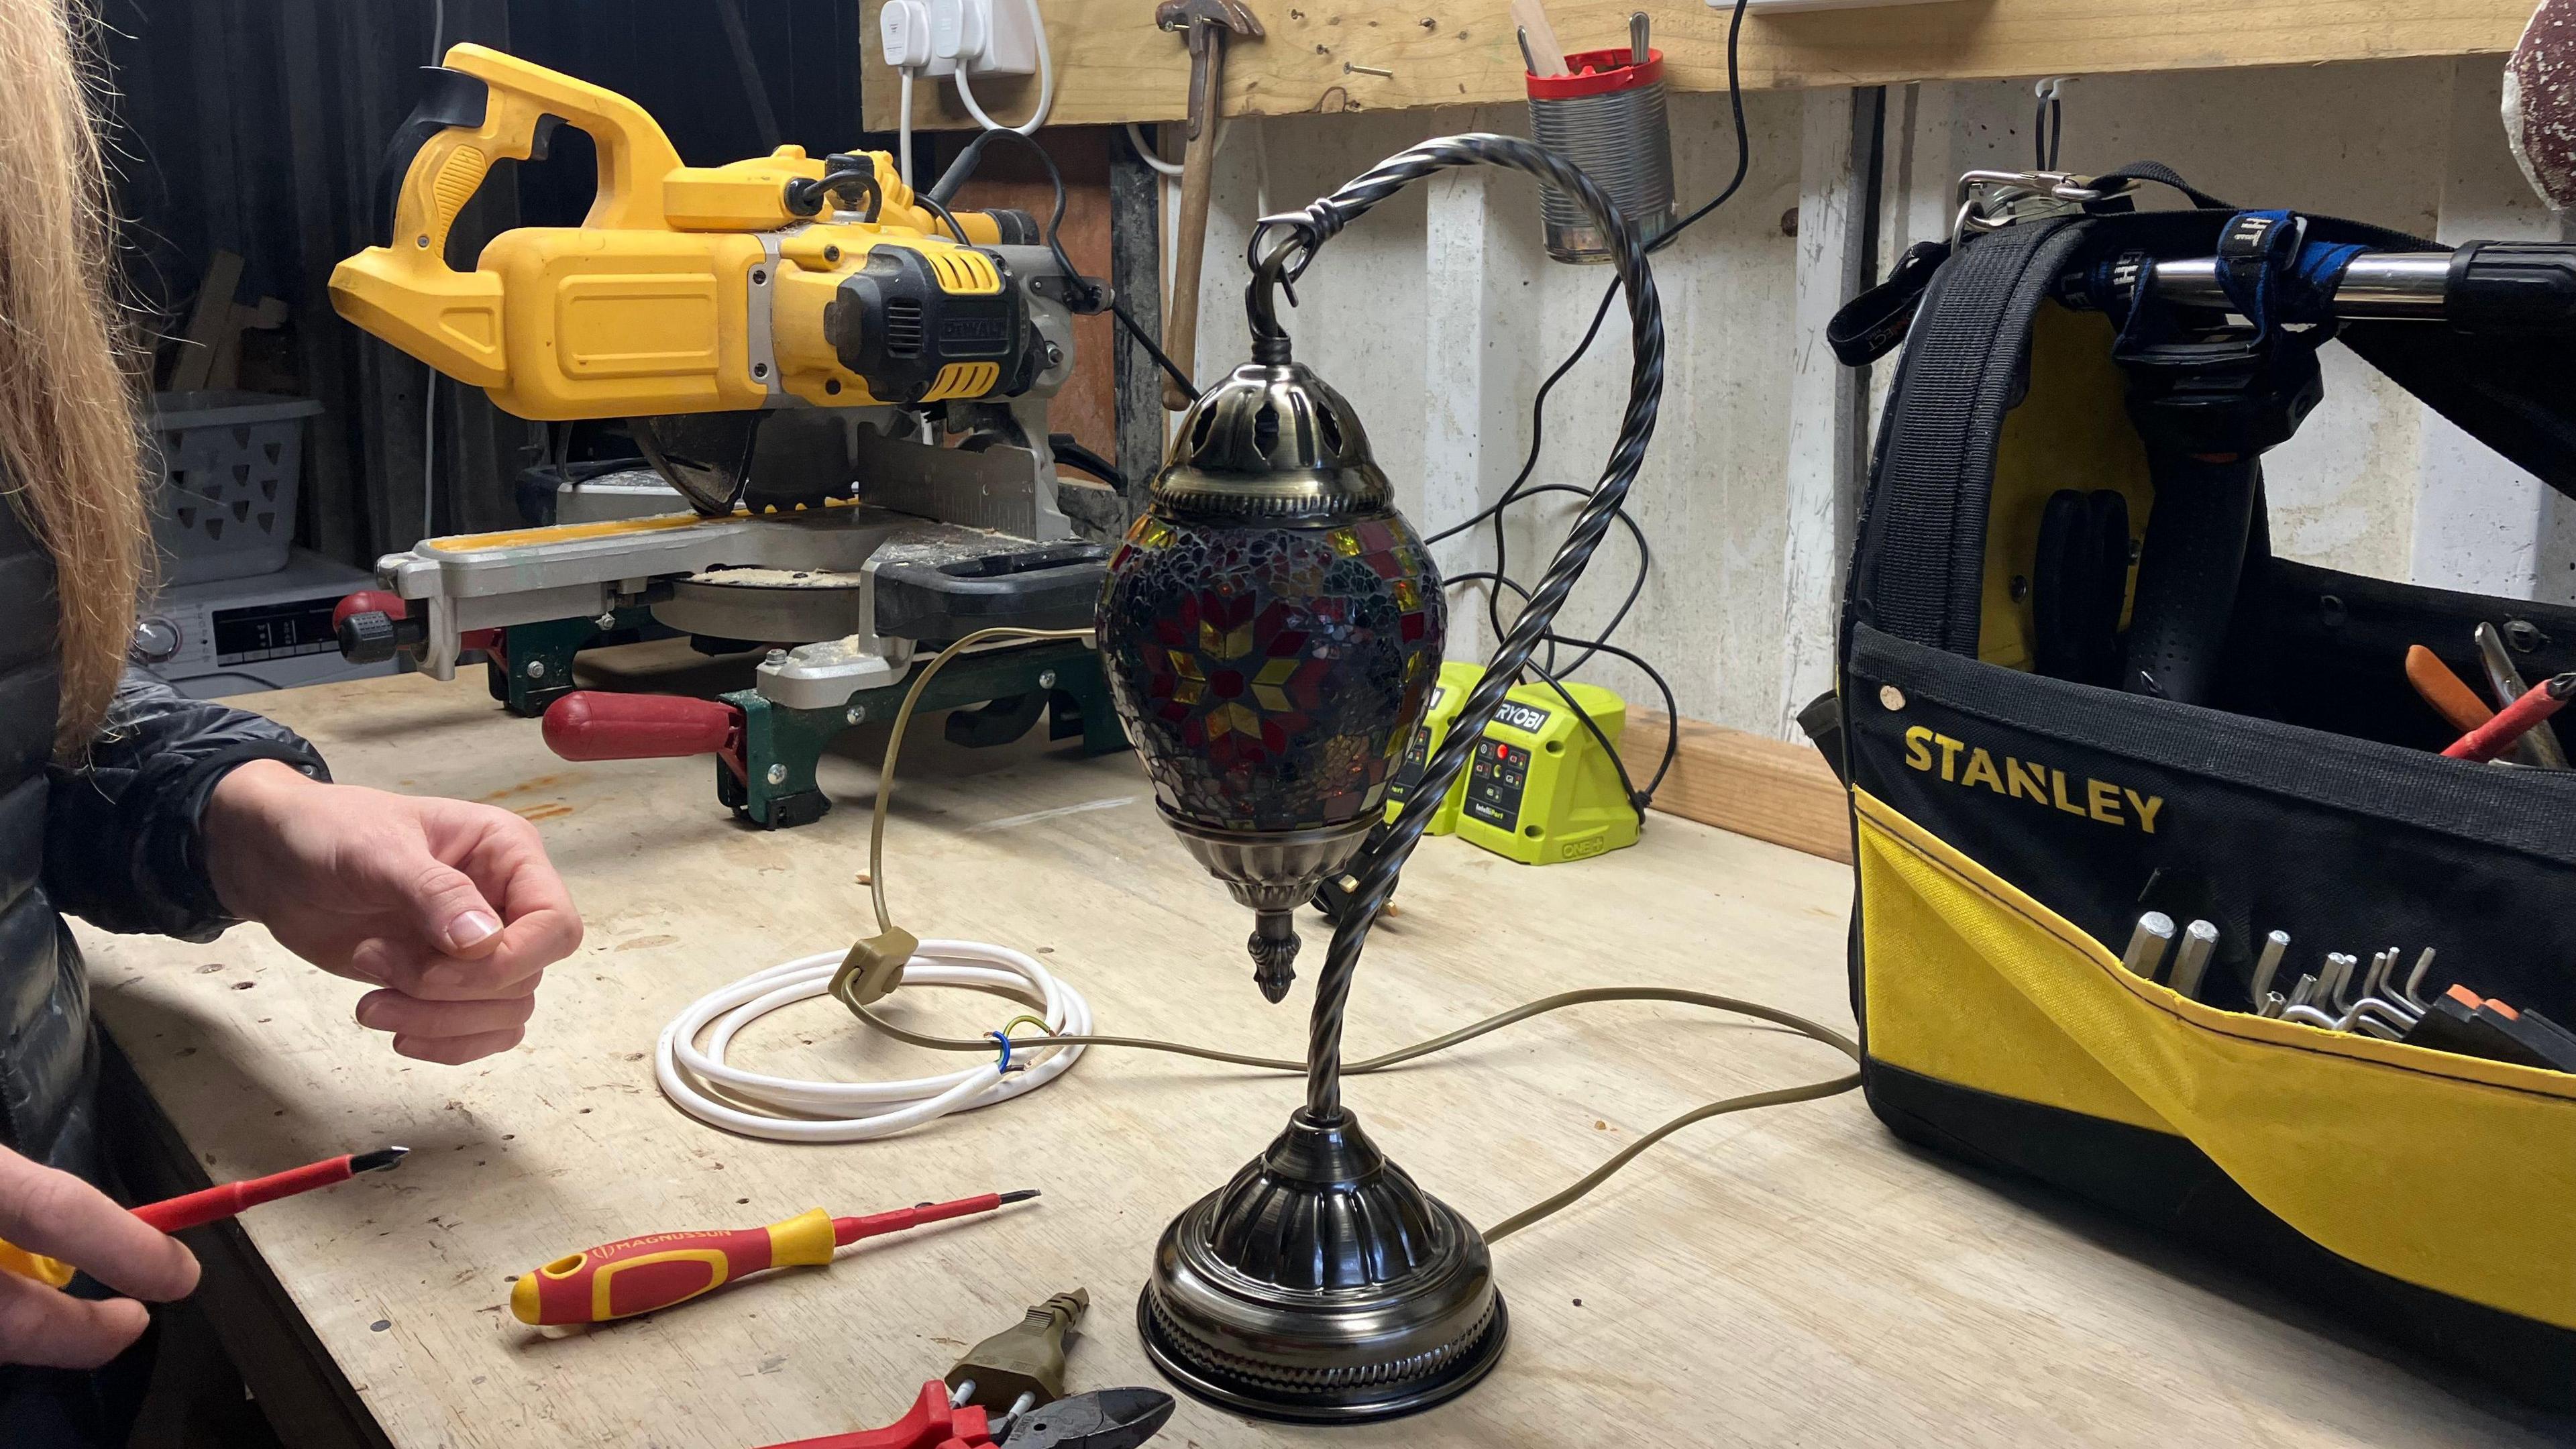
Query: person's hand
(452,909)
(59,1216)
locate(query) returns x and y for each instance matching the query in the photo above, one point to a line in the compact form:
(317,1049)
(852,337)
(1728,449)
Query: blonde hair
(69,462)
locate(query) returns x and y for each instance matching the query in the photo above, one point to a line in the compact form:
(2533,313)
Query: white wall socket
(988,37)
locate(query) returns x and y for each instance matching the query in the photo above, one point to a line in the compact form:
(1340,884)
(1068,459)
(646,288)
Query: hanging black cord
(942,212)
(1092,299)
(1638,800)
(945,189)
(1154,350)
(1636,585)
(1520,488)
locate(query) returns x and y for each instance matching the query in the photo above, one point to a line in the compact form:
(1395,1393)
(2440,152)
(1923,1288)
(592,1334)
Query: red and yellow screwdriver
(641,1275)
(223,1200)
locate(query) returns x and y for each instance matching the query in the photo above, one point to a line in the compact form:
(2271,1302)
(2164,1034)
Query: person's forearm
(240,825)
(124,829)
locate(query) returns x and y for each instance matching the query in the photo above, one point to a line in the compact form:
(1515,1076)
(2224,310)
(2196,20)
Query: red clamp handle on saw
(932,1424)
(590,724)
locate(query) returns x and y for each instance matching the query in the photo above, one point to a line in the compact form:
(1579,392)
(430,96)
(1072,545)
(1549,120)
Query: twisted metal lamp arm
(1276,267)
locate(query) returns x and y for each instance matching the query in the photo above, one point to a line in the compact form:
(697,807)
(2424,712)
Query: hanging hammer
(1208,23)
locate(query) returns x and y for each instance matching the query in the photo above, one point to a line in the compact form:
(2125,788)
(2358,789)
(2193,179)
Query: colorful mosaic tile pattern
(1271,675)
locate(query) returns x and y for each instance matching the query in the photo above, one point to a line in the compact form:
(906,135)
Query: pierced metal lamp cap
(1273,441)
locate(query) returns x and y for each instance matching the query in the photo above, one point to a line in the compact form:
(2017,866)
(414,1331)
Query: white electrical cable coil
(1046,83)
(787,1109)
(1145,152)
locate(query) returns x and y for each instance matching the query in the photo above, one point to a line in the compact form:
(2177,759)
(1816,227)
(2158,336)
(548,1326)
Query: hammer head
(2540,102)
(1232,14)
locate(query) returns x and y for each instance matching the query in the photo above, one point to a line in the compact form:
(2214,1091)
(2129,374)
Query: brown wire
(1386,1061)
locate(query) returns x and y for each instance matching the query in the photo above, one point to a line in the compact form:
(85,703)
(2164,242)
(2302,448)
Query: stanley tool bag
(2029,773)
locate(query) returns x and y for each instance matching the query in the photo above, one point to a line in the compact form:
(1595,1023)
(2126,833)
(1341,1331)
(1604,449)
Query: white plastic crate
(230,465)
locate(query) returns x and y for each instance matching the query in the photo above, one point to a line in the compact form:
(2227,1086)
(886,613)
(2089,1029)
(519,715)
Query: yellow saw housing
(687,289)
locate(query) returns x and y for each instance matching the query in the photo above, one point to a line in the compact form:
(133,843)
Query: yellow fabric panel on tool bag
(2448,1172)
(2019,802)
(2071,431)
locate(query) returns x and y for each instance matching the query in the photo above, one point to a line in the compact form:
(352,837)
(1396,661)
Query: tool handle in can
(641,1275)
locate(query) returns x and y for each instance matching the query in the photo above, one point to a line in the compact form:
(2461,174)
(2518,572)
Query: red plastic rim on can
(1597,73)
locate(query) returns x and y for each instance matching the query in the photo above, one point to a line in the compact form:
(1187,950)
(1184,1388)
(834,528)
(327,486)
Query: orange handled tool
(196,1209)
(640,1275)
(2457,704)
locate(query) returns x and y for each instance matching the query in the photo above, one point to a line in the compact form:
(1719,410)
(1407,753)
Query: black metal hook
(1277,271)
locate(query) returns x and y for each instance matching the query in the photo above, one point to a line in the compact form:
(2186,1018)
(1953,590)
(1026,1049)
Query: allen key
(2146,953)
(2199,940)
(2266,966)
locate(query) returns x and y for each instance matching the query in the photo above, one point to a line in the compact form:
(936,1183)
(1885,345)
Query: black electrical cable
(1636,586)
(1520,488)
(1093,298)
(945,189)
(941,212)
(1672,716)
(1640,800)
(1069,451)
(1154,350)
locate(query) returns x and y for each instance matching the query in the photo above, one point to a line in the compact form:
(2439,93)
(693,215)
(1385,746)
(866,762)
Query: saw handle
(590,724)
(456,135)
(481,107)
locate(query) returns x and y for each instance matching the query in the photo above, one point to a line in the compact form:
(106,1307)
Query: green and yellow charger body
(1456,681)
(1540,788)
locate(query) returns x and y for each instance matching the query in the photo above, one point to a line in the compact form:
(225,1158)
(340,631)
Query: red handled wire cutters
(1104,1419)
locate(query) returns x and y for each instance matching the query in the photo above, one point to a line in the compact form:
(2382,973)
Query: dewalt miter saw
(723,312)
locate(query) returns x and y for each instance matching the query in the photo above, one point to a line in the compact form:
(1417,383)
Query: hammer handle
(1189,247)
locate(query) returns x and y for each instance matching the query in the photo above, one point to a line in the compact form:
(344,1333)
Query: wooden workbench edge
(1769,789)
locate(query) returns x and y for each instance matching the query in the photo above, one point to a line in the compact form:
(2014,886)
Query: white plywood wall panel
(1439,315)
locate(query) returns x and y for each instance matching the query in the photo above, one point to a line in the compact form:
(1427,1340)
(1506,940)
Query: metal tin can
(1608,118)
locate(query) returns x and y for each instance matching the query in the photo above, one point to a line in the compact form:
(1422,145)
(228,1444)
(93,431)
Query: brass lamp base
(1322,1286)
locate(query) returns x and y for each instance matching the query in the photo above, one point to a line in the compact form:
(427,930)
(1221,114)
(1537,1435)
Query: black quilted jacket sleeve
(122,845)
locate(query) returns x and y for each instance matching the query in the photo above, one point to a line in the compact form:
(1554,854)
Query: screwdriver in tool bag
(640,1275)
(196,1209)
(2515,720)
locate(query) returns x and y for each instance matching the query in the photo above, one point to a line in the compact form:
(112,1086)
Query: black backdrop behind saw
(258,126)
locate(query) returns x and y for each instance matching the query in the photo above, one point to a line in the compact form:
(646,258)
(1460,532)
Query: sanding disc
(2540,102)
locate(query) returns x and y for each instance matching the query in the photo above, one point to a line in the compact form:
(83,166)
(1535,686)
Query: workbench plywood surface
(1790,1277)
(1334,56)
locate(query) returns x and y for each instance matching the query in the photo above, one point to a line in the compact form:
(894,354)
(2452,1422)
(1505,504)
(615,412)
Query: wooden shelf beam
(1112,65)
(1769,789)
